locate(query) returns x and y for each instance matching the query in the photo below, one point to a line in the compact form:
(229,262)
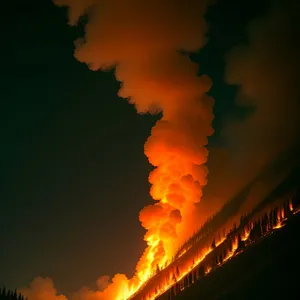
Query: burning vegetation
(201,258)
(148,44)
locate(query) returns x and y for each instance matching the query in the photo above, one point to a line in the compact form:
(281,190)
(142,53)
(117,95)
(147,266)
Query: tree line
(10,295)
(257,228)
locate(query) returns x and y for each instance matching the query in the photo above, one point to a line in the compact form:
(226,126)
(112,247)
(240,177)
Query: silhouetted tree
(172,293)
(216,260)
(177,271)
(241,244)
(255,233)
(213,244)
(3,292)
(157,269)
(266,223)
(287,211)
(274,221)
(201,271)
(10,295)
(271,218)
(296,199)
(221,258)
(230,246)
(174,277)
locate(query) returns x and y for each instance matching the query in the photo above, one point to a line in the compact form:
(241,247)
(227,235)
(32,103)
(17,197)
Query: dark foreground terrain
(269,269)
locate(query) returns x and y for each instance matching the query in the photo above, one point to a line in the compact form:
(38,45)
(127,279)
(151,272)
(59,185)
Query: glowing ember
(282,213)
(208,269)
(280,225)
(291,205)
(296,211)
(235,244)
(220,241)
(246,235)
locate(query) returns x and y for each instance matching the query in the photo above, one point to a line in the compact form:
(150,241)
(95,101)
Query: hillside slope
(267,270)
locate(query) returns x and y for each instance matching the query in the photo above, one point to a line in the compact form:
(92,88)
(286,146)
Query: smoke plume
(266,70)
(41,289)
(147,43)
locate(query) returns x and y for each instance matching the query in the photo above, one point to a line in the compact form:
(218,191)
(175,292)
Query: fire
(186,267)
(291,207)
(207,269)
(279,225)
(246,234)
(282,213)
(189,262)
(149,59)
(234,246)
(168,280)
(156,77)
(280,218)
(220,241)
(182,252)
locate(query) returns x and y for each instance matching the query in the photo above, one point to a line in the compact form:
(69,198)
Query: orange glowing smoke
(144,41)
(41,289)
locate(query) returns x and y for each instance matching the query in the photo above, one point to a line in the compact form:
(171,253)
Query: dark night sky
(73,173)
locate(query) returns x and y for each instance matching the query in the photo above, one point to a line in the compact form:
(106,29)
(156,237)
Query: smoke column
(147,43)
(266,71)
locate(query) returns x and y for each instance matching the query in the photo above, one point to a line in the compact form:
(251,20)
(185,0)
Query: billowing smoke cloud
(41,289)
(103,282)
(147,42)
(267,73)
(116,289)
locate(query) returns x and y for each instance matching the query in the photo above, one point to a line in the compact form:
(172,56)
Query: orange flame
(187,268)
(291,207)
(207,269)
(280,218)
(246,234)
(234,246)
(282,213)
(156,77)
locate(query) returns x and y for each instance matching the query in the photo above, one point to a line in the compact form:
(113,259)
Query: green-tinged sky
(72,170)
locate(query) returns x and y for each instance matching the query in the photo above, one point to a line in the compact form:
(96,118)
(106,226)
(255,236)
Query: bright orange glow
(282,213)
(246,234)
(186,269)
(280,225)
(234,246)
(208,269)
(195,262)
(182,252)
(220,241)
(188,262)
(291,205)
(156,78)
(280,219)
